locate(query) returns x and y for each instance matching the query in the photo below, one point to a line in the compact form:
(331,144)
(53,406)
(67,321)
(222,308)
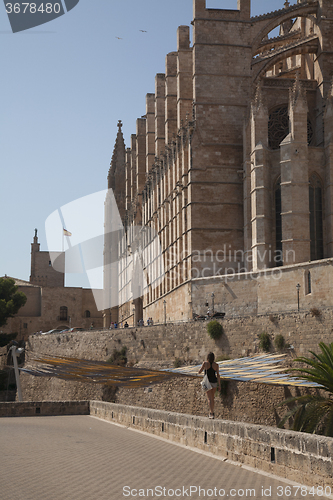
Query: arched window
(87,314)
(63,313)
(278,126)
(278,223)
(316,218)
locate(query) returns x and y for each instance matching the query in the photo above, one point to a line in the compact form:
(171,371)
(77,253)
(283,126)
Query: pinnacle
(258,101)
(298,93)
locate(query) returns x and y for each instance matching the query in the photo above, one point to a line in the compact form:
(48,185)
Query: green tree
(10,299)
(313,413)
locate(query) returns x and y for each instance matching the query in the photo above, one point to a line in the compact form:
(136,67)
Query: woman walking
(212,370)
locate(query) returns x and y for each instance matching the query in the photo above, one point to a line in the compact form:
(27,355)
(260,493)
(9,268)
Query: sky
(65,85)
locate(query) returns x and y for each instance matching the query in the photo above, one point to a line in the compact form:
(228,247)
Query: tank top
(211,374)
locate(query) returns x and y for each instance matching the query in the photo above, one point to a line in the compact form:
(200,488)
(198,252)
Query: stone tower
(42,272)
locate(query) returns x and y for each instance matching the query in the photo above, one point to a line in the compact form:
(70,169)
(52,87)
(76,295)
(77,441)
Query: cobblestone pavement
(83,458)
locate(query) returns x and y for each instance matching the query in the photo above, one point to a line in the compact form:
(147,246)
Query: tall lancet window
(316,218)
(278,126)
(278,223)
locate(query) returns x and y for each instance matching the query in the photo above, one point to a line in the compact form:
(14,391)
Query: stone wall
(300,457)
(161,346)
(268,291)
(238,293)
(44,408)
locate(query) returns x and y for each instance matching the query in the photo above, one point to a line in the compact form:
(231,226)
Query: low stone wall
(300,457)
(44,408)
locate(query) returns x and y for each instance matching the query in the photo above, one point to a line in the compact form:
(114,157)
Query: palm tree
(313,413)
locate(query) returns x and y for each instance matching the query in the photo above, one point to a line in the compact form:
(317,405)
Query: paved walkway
(83,458)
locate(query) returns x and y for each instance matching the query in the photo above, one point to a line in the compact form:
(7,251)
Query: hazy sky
(65,85)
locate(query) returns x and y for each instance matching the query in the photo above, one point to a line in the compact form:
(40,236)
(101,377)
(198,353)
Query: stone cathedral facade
(232,165)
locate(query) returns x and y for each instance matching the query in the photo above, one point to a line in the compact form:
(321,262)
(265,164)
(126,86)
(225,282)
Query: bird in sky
(118,37)
(143,31)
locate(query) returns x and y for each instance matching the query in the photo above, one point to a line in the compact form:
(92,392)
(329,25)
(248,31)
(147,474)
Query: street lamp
(15,354)
(164,304)
(213,296)
(298,286)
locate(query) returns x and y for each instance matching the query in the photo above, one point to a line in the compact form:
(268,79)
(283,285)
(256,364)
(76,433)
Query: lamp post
(298,286)
(133,311)
(213,296)
(15,354)
(164,304)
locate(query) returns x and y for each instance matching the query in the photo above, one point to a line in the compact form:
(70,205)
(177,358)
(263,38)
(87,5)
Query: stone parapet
(44,408)
(300,457)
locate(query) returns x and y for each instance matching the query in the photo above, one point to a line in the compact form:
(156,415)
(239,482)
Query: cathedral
(232,167)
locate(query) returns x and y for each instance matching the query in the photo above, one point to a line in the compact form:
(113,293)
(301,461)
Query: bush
(279,342)
(177,363)
(265,342)
(215,330)
(315,312)
(118,357)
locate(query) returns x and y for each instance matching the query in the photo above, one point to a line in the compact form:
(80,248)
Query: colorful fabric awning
(262,369)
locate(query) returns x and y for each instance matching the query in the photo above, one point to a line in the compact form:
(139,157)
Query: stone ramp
(84,458)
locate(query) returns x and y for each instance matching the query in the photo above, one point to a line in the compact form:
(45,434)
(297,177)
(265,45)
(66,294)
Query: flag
(66,233)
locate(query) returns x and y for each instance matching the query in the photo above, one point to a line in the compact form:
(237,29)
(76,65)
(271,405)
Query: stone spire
(35,248)
(118,157)
(117,171)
